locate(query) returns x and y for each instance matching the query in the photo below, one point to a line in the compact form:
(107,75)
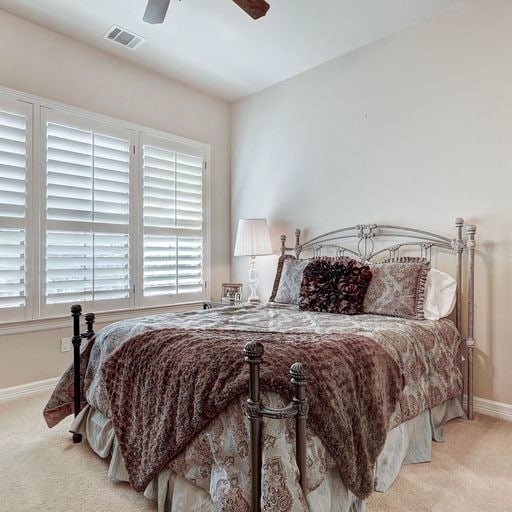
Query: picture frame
(231,293)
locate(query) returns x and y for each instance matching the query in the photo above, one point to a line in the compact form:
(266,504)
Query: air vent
(125,38)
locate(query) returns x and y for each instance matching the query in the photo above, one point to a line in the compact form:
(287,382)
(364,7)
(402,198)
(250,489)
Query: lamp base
(253,300)
(253,283)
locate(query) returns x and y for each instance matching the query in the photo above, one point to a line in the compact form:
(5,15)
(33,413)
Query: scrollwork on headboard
(365,236)
(369,243)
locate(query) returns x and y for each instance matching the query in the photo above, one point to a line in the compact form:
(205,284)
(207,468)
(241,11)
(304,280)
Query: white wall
(44,63)
(415,129)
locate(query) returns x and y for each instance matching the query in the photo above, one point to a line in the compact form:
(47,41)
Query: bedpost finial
(297,237)
(471,229)
(459,222)
(299,373)
(76,309)
(253,352)
(283,245)
(90,319)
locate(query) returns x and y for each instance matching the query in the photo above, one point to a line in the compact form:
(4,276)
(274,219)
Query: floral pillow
(397,288)
(332,285)
(288,290)
(279,272)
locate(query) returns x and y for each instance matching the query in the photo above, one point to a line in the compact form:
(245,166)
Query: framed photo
(231,293)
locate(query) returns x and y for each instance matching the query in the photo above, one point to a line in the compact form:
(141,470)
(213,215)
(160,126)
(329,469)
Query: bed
(252,448)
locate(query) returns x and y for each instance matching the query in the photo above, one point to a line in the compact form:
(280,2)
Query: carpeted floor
(41,470)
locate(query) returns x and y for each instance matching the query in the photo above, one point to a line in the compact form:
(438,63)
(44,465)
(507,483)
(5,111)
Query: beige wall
(415,129)
(44,63)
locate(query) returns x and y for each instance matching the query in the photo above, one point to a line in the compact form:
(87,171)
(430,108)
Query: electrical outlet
(65,344)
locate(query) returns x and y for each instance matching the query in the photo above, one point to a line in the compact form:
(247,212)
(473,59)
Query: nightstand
(211,304)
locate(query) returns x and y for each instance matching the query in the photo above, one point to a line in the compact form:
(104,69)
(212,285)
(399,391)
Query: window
(15,153)
(87,213)
(172,219)
(119,214)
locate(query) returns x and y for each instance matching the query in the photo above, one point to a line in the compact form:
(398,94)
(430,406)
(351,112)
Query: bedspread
(217,459)
(165,386)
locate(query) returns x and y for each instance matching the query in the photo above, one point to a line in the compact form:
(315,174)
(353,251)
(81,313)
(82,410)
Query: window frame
(36,308)
(78,122)
(21,107)
(154,140)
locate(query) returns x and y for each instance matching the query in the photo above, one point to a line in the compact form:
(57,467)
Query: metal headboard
(367,242)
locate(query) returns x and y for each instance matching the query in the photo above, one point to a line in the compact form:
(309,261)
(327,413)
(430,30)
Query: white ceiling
(214,46)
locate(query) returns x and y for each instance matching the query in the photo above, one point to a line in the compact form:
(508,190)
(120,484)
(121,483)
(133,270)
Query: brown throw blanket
(165,386)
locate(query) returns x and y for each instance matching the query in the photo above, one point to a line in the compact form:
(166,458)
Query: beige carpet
(41,470)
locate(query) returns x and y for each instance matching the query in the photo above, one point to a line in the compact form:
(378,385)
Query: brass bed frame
(368,245)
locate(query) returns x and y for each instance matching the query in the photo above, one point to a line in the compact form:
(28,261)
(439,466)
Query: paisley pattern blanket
(165,386)
(216,460)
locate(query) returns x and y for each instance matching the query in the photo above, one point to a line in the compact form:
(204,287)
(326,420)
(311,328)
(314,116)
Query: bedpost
(283,245)
(90,318)
(470,341)
(298,247)
(299,374)
(253,353)
(76,340)
(458,246)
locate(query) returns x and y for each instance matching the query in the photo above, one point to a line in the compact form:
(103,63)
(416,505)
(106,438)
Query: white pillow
(440,295)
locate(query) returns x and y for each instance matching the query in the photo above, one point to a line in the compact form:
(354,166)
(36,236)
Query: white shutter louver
(87,212)
(88,176)
(111,266)
(172,220)
(12,268)
(69,173)
(189,195)
(13,199)
(13,165)
(86,266)
(69,267)
(159,265)
(190,263)
(111,180)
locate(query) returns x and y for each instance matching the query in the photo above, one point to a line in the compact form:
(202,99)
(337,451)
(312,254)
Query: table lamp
(253,239)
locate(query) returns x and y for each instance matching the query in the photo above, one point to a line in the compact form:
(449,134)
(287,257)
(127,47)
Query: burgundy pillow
(334,285)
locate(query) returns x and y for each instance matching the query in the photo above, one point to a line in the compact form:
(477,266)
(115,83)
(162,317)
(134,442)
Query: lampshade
(253,238)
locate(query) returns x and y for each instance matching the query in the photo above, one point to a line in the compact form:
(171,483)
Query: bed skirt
(408,443)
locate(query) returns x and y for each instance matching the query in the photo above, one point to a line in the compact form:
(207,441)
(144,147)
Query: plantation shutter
(172,221)
(15,155)
(87,255)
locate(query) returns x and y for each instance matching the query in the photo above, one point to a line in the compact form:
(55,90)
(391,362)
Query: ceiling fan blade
(254,8)
(156,11)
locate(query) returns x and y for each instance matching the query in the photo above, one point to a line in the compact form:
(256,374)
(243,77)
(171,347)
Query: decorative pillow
(279,271)
(291,277)
(332,285)
(397,288)
(440,295)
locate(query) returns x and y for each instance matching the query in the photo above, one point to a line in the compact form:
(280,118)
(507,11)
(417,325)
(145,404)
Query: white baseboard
(27,389)
(492,408)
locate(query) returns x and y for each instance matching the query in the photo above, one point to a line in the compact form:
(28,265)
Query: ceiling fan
(157,9)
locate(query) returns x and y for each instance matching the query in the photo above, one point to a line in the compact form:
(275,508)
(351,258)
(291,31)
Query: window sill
(105,317)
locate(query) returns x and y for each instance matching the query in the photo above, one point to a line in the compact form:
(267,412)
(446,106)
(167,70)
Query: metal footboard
(256,411)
